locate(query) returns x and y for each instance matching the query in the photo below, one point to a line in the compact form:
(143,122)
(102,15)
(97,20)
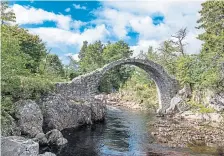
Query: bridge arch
(84,86)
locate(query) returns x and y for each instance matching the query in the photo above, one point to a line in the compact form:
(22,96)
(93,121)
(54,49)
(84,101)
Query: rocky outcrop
(60,113)
(30,118)
(18,146)
(217,102)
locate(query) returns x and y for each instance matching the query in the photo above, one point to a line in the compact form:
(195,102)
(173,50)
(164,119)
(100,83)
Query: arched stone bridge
(85,86)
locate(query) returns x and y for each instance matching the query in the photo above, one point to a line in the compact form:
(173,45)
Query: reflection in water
(123,133)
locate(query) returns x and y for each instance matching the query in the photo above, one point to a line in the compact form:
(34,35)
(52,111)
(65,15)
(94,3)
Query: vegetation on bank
(29,70)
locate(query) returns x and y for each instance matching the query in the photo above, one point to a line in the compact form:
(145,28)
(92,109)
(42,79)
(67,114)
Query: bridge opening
(131,86)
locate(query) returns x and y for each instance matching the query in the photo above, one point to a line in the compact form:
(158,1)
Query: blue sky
(64,25)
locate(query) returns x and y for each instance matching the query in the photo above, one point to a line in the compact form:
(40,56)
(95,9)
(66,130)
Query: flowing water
(124,133)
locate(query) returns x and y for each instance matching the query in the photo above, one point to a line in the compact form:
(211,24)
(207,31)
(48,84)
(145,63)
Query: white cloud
(144,45)
(74,56)
(122,17)
(67,10)
(77,24)
(55,36)
(31,15)
(77,6)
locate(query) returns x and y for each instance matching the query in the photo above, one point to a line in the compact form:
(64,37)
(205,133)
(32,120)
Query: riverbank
(201,133)
(199,136)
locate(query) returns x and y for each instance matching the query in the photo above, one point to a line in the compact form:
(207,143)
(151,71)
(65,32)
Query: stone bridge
(86,86)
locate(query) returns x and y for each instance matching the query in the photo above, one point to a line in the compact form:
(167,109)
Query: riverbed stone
(41,139)
(18,146)
(55,137)
(30,118)
(47,154)
(215,117)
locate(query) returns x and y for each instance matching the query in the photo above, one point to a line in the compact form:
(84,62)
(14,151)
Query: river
(123,133)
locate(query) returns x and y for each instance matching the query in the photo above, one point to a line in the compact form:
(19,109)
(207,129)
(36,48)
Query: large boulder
(30,118)
(18,146)
(60,112)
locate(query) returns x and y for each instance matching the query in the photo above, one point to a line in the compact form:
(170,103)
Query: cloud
(67,10)
(55,36)
(31,15)
(77,6)
(74,56)
(123,17)
(77,24)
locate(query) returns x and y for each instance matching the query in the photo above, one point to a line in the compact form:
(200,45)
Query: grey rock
(61,141)
(41,139)
(86,86)
(217,102)
(55,137)
(30,118)
(18,146)
(60,112)
(177,104)
(185,92)
(47,154)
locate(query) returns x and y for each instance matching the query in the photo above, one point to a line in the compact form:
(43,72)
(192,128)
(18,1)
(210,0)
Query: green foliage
(52,66)
(27,71)
(212,54)
(7,15)
(198,107)
(139,88)
(91,57)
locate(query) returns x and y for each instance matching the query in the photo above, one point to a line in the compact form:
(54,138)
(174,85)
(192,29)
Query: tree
(92,58)
(7,15)
(167,56)
(212,54)
(180,36)
(116,51)
(31,45)
(83,50)
(54,65)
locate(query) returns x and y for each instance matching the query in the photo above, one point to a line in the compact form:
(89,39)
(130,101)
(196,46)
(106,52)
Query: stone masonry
(85,86)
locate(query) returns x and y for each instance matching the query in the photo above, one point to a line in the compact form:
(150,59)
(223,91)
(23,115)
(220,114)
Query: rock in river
(60,113)
(55,137)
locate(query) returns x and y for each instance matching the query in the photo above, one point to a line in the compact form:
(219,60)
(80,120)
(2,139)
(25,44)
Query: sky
(64,25)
